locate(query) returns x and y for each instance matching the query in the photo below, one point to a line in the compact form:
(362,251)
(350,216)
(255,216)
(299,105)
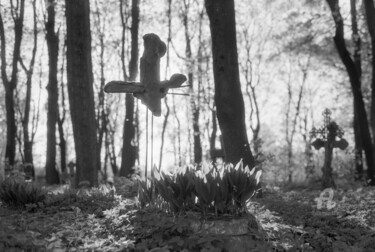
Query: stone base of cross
(150,90)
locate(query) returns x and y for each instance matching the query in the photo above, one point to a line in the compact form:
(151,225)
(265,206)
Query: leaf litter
(289,221)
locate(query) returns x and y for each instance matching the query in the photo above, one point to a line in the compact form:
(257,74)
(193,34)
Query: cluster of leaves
(16,192)
(93,200)
(223,191)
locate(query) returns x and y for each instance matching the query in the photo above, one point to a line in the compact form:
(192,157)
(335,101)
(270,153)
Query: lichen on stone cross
(150,90)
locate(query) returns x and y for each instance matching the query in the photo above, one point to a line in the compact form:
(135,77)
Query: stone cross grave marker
(150,90)
(325,137)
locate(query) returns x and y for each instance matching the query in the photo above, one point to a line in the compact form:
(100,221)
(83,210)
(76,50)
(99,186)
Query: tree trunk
(167,113)
(61,119)
(80,90)
(52,176)
(62,143)
(177,135)
(356,87)
(357,60)
(101,116)
(28,138)
(10,84)
(228,95)
(370,18)
(194,99)
(129,149)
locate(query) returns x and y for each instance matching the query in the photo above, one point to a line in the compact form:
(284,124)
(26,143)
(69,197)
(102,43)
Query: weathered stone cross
(326,137)
(150,90)
(322,134)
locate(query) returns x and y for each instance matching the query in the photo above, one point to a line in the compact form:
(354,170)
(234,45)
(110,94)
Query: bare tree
(28,137)
(357,60)
(355,83)
(291,121)
(253,79)
(10,84)
(101,117)
(167,113)
(129,149)
(52,37)
(61,115)
(194,96)
(370,18)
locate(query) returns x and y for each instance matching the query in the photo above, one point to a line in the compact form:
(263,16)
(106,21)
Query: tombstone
(325,137)
(28,169)
(71,167)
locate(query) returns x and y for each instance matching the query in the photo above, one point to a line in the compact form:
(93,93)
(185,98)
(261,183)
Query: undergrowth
(209,191)
(17,193)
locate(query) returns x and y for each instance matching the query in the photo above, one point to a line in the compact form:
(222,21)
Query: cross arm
(124,87)
(175,81)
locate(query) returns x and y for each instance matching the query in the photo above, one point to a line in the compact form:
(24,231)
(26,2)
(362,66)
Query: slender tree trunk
(61,118)
(52,176)
(228,95)
(80,89)
(62,143)
(370,18)
(101,111)
(10,84)
(291,134)
(129,149)
(177,132)
(254,115)
(167,113)
(194,99)
(357,60)
(356,87)
(28,138)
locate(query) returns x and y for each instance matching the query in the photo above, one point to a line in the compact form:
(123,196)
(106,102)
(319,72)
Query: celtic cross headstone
(325,137)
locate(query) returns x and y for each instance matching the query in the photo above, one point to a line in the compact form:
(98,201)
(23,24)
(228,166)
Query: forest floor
(289,220)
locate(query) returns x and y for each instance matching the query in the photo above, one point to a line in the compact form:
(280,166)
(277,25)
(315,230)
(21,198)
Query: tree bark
(194,99)
(129,149)
(357,60)
(28,137)
(167,113)
(370,18)
(101,117)
(52,176)
(11,84)
(228,95)
(356,87)
(61,118)
(80,90)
